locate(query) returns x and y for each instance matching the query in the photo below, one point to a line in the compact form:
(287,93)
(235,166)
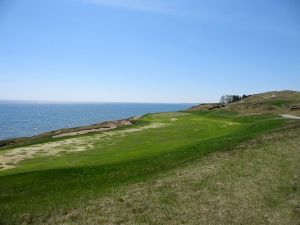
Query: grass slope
(256,183)
(279,102)
(46,185)
(275,102)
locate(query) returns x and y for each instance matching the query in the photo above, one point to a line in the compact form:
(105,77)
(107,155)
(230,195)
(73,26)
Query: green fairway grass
(47,184)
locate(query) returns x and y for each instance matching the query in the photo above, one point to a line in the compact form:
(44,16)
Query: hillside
(276,102)
(233,164)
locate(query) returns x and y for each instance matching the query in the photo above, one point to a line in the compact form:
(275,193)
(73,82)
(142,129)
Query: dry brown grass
(258,183)
(276,102)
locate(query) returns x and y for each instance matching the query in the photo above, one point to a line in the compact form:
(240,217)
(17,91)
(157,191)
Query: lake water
(27,119)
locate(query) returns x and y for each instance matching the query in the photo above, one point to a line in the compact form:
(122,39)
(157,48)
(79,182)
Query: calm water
(27,119)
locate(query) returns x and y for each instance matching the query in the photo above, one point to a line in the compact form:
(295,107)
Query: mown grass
(46,185)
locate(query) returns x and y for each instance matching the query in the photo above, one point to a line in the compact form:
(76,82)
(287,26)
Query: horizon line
(86,102)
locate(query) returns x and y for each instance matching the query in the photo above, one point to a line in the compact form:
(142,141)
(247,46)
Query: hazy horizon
(159,51)
(110,102)
(87,102)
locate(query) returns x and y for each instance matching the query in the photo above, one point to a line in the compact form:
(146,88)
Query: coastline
(20,122)
(69,132)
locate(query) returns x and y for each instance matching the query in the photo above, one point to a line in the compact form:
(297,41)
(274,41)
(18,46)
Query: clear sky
(147,50)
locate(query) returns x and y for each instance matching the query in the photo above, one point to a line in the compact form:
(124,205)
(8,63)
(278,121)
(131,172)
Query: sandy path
(290,117)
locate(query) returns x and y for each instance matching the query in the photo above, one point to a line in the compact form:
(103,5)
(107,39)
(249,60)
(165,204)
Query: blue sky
(147,50)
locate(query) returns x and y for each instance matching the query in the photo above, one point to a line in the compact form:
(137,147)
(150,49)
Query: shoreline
(25,133)
(70,132)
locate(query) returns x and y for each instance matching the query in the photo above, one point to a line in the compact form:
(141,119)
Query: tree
(225,99)
(245,96)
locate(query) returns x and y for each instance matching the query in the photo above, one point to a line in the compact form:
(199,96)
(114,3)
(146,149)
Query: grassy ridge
(44,185)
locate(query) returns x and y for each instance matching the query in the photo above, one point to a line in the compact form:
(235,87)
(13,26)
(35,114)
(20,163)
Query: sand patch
(12,157)
(108,126)
(271,96)
(131,130)
(291,117)
(230,124)
(84,132)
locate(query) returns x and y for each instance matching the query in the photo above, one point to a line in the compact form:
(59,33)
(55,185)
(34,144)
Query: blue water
(27,119)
